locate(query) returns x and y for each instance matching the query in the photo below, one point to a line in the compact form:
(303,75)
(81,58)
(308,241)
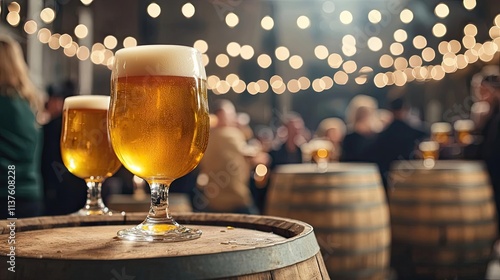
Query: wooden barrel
(346,205)
(231,247)
(443,219)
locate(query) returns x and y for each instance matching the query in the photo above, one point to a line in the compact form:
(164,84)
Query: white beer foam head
(99,102)
(428,146)
(159,60)
(464,125)
(441,127)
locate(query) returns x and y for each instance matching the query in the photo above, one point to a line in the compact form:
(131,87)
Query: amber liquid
(85,146)
(464,137)
(430,154)
(159,125)
(320,155)
(442,138)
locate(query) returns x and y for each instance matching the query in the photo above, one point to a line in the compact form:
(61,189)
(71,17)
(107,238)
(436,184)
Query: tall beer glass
(159,126)
(85,147)
(441,132)
(463,129)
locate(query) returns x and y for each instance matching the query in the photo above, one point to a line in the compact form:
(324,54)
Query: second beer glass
(85,147)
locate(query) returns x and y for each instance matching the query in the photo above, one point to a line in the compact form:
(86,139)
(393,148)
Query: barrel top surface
(440,165)
(100,243)
(94,238)
(231,245)
(332,168)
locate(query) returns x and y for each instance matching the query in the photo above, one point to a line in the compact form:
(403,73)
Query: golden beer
(317,151)
(159,124)
(85,147)
(429,150)
(463,129)
(441,132)
(321,155)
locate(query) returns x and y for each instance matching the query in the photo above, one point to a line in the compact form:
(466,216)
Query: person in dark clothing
(488,146)
(361,136)
(290,152)
(20,135)
(64,192)
(397,142)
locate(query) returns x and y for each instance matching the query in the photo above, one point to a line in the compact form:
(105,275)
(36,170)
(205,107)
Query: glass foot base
(97,212)
(159,233)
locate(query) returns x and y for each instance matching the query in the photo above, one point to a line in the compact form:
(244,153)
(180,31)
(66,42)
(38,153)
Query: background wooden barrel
(347,207)
(443,220)
(232,246)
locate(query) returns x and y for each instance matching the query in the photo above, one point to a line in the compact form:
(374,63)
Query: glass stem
(94,200)
(159,202)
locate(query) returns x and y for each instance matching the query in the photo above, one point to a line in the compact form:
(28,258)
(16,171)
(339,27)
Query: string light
(264,61)
(282,53)
(341,78)
(396,49)
(201,46)
(406,16)
(233,49)
(400,35)
(30,27)
(110,42)
(439,30)
(452,59)
(188,10)
(247,52)
(267,23)
(375,44)
(129,42)
(154,10)
(346,17)
(374,16)
(303,22)
(296,61)
(442,10)
(232,20)
(47,15)
(81,31)
(469,4)
(321,52)
(86,2)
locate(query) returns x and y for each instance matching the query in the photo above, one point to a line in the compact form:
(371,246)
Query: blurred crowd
(238,164)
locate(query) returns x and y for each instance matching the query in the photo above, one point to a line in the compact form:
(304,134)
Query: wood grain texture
(253,247)
(346,204)
(443,219)
(100,243)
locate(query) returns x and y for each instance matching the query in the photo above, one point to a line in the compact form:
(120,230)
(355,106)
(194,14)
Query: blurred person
(360,136)
(64,193)
(243,123)
(20,134)
(358,101)
(485,101)
(397,142)
(385,117)
(259,182)
(289,151)
(225,168)
(487,148)
(290,136)
(265,136)
(333,130)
